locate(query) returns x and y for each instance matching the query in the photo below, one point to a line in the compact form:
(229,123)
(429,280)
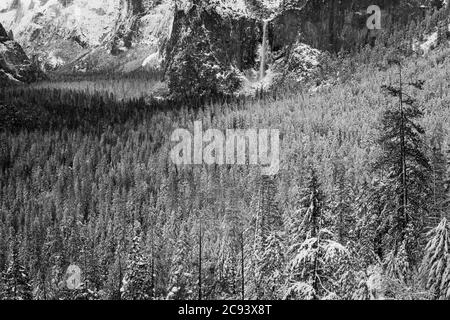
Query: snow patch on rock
(250,86)
(10,77)
(430,41)
(88,19)
(156,26)
(153,61)
(231,7)
(55,61)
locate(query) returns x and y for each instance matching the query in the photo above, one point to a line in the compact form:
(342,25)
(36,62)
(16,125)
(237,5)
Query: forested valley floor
(358,209)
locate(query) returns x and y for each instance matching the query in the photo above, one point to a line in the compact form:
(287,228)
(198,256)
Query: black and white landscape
(224,149)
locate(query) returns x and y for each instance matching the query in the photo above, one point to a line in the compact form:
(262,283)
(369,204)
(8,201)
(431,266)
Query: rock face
(3,34)
(15,67)
(234,39)
(335,24)
(83,35)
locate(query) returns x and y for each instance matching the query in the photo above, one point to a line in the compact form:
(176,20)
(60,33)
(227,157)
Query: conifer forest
(93,208)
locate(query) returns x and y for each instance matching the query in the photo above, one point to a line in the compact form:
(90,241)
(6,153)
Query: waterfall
(262,67)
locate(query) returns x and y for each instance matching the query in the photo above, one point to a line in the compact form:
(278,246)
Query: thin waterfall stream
(262,67)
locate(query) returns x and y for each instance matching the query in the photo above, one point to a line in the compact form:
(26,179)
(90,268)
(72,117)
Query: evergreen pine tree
(404,168)
(341,207)
(136,281)
(370,227)
(313,273)
(272,266)
(435,267)
(180,275)
(439,170)
(16,282)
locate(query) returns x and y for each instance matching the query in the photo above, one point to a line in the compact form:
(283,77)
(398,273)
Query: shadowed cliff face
(335,24)
(3,34)
(15,67)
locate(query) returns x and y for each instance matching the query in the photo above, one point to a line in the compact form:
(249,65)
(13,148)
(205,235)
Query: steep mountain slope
(15,67)
(85,33)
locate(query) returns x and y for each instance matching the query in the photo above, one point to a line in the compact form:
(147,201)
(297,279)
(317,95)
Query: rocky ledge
(15,67)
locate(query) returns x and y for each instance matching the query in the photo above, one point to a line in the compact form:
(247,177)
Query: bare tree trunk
(404,202)
(200,261)
(242,267)
(153,262)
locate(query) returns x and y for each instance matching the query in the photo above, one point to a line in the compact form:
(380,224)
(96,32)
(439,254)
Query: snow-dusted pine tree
(404,168)
(16,283)
(136,282)
(272,266)
(439,170)
(180,275)
(316,269)
(435,267)
(397,264)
